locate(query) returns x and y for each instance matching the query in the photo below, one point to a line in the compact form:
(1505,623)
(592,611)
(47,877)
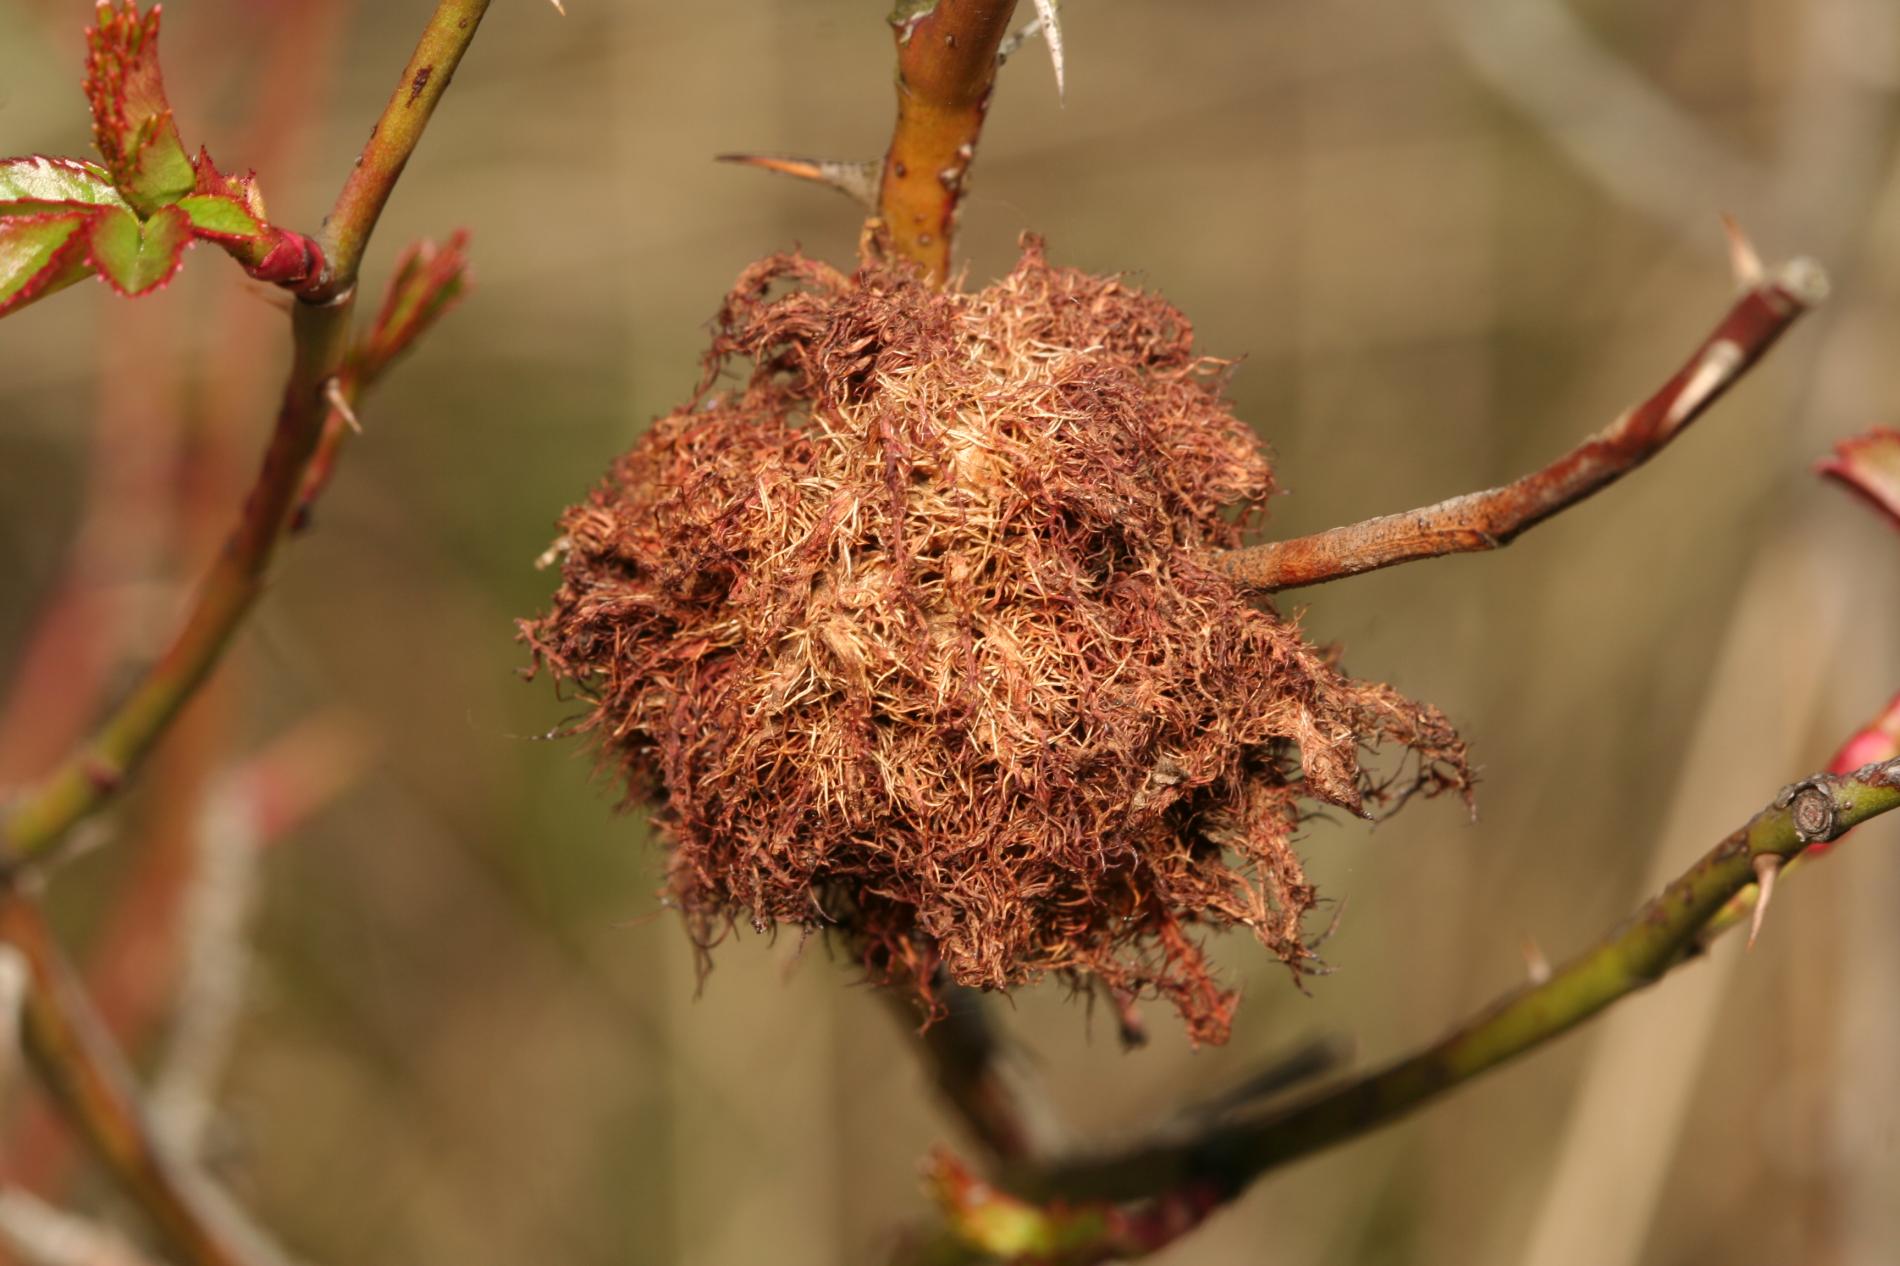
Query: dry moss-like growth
(916,634)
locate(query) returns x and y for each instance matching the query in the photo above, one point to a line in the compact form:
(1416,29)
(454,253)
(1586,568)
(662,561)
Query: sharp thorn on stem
(1047,13)
(1767,866)
(333,395)
(1047,23)
(1743,260)
(856,180)
(1536,965)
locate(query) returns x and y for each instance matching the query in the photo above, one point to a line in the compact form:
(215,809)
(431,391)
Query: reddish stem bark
(1492,519)
(946,70)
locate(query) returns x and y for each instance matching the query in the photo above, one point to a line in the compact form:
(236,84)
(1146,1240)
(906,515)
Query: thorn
(1046,13)
(1767,866)
(1742,259)
(1047,24)
(857,181)
(333,393)
(1536,966)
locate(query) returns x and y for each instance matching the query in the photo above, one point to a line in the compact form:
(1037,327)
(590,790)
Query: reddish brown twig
(946,69)
(1489,520)
(85,1072)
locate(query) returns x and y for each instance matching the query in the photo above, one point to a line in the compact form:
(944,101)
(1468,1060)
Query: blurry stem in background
(85,1072)
(1492,519)
(41,1235)
(250,809)
(90,776)
(93,774)
(1663,935)
(967,1061)
(946,69)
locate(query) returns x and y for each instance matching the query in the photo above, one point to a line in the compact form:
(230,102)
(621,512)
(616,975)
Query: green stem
(347,231)
(94,772)
(36,820)
(1661,936)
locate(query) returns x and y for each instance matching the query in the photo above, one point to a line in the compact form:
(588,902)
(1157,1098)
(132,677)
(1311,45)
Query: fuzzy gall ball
(910,627)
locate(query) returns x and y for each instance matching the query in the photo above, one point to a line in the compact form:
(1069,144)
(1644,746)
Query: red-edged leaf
(137,257)
(220,211)
(131,120)
(1870,466)
(40,254)
(37,185)
(220,218)
(239,189)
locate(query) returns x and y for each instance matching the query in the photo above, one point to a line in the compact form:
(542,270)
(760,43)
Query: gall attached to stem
(916,635)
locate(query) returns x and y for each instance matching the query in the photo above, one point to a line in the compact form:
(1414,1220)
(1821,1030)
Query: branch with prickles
(1769,304)
(948,53)
(40,817)
(1868,466)
(946,70)
(1226,1157)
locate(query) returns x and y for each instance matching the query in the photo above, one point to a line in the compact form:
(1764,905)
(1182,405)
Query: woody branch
(1660,937)
(1131,1202)
(946,70)
(1478,521)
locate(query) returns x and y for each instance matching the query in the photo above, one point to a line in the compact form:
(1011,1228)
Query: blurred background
(1445,240)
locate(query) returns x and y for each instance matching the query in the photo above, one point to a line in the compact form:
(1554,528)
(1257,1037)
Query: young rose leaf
(40,254)
(137,256)
(1869,465)
(221,218)
(229,210)
(131,120)
(37,185)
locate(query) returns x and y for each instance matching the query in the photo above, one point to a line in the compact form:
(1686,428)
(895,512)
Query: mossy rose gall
(915,633)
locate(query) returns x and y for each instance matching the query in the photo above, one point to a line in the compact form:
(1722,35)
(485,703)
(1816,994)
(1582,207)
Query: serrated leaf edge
(75,246)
